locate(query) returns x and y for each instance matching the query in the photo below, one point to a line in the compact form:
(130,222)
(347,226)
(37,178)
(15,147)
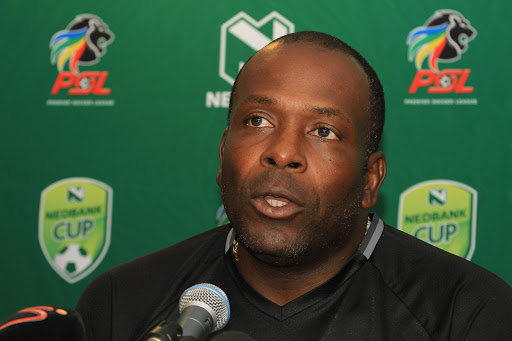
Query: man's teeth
(276,203)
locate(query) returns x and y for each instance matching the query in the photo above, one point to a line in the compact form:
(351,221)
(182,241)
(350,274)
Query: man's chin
(275,250)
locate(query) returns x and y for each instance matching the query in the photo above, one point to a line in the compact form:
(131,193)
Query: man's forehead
(305,55)
(296,63)
(277,49)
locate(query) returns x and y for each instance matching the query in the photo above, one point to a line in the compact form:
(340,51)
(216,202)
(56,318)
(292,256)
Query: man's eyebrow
(321,110)
(330,112)
(260,99)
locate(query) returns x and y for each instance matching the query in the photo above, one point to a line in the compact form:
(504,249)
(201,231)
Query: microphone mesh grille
(212,296)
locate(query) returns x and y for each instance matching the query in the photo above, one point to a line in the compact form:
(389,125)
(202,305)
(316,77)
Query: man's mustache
(276,178)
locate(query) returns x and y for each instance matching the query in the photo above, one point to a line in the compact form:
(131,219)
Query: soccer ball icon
(73,259)
(445,81)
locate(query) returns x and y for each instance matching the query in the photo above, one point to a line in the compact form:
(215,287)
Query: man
(302,259)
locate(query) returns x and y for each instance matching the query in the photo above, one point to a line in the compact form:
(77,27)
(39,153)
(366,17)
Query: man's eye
(258,121)
(324,133)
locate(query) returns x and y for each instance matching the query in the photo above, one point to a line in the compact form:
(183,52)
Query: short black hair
(376,106)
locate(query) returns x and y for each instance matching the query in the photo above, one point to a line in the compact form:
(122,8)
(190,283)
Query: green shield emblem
(242,35)
(441,213)
(74,226)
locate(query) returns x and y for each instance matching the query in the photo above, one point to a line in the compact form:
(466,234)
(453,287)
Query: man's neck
(283,284)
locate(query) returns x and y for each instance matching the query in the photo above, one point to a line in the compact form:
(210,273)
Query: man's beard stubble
(321,236)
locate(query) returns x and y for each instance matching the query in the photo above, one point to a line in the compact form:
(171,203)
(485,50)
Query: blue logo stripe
(427,30)
(69,34)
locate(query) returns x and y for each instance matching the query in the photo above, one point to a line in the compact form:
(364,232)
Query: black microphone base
(166,331)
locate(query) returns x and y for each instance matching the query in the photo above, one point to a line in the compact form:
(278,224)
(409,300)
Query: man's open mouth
(276,201)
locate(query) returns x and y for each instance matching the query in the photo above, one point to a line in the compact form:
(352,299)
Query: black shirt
(395,287)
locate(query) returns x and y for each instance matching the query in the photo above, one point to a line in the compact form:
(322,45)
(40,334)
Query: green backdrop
(153,137)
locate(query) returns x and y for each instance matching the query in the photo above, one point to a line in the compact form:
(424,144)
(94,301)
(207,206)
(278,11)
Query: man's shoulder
(173,257)
(411,260)
(437,286)
(129,294)
(410,252)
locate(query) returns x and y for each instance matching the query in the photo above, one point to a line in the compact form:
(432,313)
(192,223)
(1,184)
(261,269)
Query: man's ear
(375,174)
(221,156)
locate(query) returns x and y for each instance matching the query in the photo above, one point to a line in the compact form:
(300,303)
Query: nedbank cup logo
(74,226)
(83,42)
(443,39)
(442,213)
(241,36)
(221,217)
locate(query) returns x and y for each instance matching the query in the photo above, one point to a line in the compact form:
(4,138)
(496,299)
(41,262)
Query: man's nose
(285,150)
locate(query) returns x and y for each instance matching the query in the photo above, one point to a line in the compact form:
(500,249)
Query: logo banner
(443,38)
(241,36)
(82,43)
(74,226)
(442,213)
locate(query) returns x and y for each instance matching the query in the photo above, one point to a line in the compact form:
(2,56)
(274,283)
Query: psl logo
(443,39)
(74,226)
(241,36)
(442,213)
(83,42)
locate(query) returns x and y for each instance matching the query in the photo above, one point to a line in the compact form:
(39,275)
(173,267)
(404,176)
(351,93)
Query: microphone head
(43,323)
(213,297)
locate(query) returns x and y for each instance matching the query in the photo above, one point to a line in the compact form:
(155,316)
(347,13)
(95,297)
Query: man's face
(292,158)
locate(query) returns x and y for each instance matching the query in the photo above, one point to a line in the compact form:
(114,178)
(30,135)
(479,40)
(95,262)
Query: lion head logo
(444,38)
(84,41)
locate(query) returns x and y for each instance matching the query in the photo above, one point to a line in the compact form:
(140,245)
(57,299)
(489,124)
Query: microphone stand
(166,331)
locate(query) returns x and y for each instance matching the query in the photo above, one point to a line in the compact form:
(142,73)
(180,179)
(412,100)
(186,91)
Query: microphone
(203,308)
(43,323)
